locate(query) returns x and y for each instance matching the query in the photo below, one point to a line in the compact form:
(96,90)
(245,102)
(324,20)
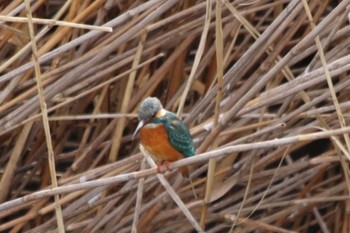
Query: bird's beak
(139,126)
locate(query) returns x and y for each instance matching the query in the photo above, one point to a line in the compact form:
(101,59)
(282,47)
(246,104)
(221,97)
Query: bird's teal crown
(149,108)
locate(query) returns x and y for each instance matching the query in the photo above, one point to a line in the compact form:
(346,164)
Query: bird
(163,134)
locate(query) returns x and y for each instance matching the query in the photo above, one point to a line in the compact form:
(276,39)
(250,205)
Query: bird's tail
(185,172)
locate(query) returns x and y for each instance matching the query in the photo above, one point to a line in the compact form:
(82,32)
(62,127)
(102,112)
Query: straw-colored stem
(45,120)
(52,23)
(113,155)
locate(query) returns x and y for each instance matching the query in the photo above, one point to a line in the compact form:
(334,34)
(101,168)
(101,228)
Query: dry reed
(263,86)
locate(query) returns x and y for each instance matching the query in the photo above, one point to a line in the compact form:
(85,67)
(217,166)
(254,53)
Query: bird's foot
(165,163)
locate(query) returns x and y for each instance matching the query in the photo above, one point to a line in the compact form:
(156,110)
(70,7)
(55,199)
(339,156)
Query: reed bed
(263,86)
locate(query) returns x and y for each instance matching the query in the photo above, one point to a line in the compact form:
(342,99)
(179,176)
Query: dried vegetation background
(263,86)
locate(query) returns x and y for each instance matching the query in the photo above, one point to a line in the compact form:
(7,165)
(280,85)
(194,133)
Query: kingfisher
(163,134)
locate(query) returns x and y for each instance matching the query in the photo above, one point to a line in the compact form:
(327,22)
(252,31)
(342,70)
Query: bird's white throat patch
(161,113)
(152,125)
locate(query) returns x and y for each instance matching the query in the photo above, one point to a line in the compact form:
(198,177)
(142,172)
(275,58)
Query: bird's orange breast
(155,140)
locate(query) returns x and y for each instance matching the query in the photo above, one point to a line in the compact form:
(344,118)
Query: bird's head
(150,108)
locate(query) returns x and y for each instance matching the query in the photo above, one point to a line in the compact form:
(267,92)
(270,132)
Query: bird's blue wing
(179,135)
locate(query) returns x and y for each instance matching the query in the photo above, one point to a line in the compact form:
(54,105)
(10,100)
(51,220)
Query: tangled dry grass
(262,85)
